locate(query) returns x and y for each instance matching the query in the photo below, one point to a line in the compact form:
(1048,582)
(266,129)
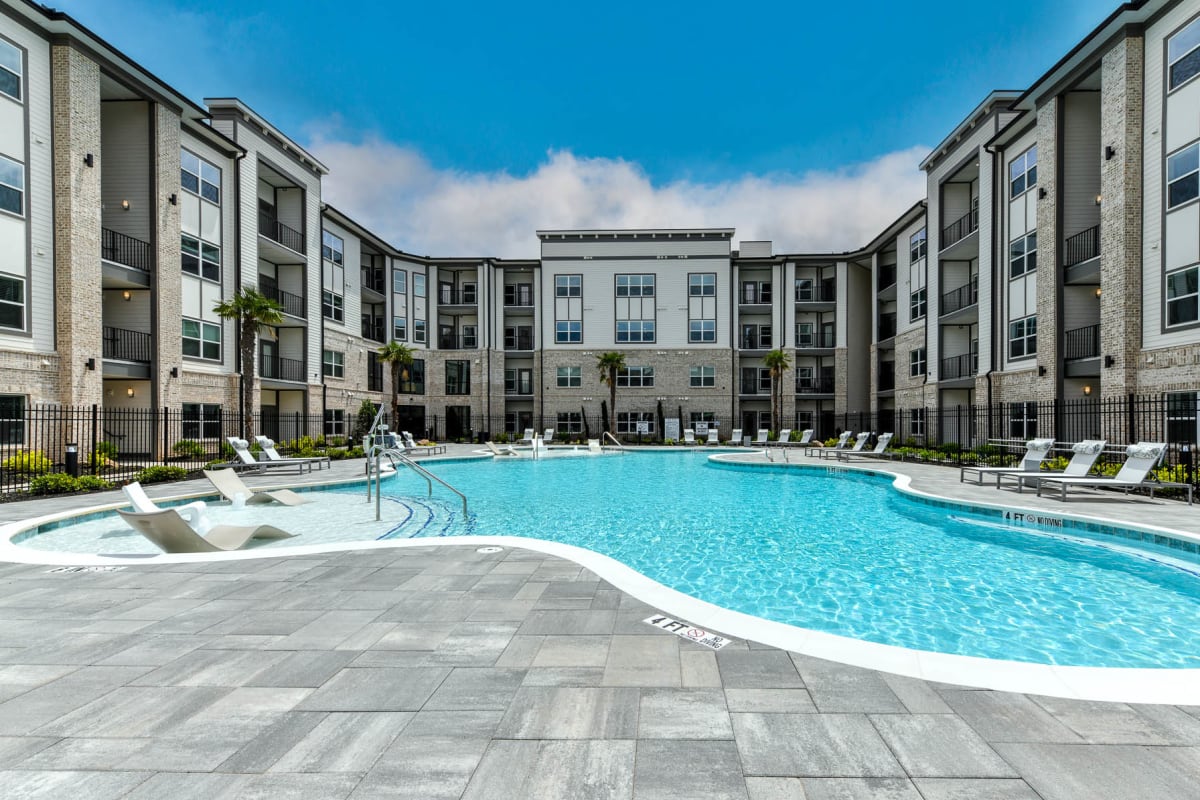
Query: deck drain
(489,549)
(83,569)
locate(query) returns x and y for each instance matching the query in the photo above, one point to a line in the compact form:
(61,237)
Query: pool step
(423,517)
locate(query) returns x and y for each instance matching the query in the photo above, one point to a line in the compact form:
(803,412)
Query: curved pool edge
(1106,684)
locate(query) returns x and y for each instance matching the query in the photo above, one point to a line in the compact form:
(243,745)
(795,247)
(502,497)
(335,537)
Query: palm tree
(401,358)
(610,364)
(778,362)
(251,309)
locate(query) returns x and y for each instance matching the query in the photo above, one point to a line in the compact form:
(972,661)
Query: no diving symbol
(695,633)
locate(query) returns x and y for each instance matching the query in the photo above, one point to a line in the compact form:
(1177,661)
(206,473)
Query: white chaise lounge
(1036,451)
(1083,457)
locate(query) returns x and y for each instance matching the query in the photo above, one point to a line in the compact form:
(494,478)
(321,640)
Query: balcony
(817,340)
(521,344)
(816,293)
(279,233)
(887,376)
(1081,343)
(956,367)
(281,369)
(125,250)
(518,296)
(754,342)
(885,277)
(458,297)
(371,279)
(814,387)
(751,388)
(887,326)
(450,341)
(961,299)
(123,345)
(1083,246)
(373,328)
(293,304)
(960,229)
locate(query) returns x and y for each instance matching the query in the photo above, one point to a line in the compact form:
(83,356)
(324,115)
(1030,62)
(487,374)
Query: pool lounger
(1083,456)
(878,452)
(1036,451)
(268,448)
(840,447)
(172,534)
(843,437)
(246,459)
(1135,473)
(230,486)
(192,512)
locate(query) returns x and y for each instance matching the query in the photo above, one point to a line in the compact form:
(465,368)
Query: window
(804,290)
(631,423)
(804,334)
(458,377)
(332,247)
(917,305)
(1022,255)
(12,419)
(518,381)
(568,285)
(12,186)
(470,339)
(1182,296)
(10,70)
(756,292)
(1022,420)
(1183,409)
(518,294)
(568,332)
(333,364)
(805,377)
(518,337)
(635,330)
(570,377)
(418,330)
(702,377)
(702,284)
(1022,337)
(805,420)
(332,306)
(12,303)
(1183,175)
(400,282)
(414,381)
(1183,55)
(916,422)
(702,330)
(570,423)
(636,377)
(1022,172)
(399,329)
(756,337)
(916,363)
(335,422)
(917,244)
(201,421)
(201,339)
(418,285)
(200,258)
(199,177)
(635,286)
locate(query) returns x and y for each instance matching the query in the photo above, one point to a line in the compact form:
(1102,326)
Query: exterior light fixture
(1099,199)
(1087,389)
(125,204)
(125,295)
(129,391)
(1099,291)
(1109,152)
(88,161)
(1110,361)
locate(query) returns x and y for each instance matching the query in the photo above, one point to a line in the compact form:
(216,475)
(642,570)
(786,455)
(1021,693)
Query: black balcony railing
(373,328)
(816,293)
(1081,247)
(123,345)
(122,249)
(885,277)
(755,342)
(961,228)
(282,369)
(816,339)
(887,325)
(519,294)
(372,278)
(292,303)
(276,231)
(815,387)
(964,366)
(449,341)
(887,376)
(458,297)
(747,387)
(1081,343)
(519,344)
(960,298)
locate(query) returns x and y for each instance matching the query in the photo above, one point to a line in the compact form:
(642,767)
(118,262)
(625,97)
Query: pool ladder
(396,456)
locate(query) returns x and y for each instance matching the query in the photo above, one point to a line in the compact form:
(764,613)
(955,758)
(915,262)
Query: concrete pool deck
(431,672)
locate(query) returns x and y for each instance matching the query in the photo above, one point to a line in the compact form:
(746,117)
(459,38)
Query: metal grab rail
(614,439)
(395,454)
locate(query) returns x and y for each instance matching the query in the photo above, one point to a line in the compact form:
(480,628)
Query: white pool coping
(1109,684)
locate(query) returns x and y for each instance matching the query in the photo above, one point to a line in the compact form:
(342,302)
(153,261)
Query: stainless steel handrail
(614,439)
(394,455)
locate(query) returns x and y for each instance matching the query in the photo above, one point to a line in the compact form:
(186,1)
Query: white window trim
(1167,300)
(1172,62)
(1167,183)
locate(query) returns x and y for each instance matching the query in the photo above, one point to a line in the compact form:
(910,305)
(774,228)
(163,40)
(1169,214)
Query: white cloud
(395,192)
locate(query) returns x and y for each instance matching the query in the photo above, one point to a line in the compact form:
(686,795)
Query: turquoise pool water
(844,553)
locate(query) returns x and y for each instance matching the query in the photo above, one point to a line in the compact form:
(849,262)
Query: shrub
(950,448)
(104,456)
(106,449)
(188,448)
(23,462)
(54,483)
(159,474)
(91,483)
(336,455)
(355,452)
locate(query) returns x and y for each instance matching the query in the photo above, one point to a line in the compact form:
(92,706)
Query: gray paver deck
(507,675)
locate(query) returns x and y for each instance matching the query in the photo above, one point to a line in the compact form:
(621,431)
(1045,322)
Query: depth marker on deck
(685,631)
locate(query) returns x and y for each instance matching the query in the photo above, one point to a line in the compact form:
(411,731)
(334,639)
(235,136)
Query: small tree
(401,358)
(251,309)
(778,362)
(610,364)
(363,421)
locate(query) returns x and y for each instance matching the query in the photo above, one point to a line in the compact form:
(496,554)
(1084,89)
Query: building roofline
(904,220)
(977,115)
(633,231)
(236,105)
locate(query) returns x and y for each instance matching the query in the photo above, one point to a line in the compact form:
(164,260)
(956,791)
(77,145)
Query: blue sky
(700,96)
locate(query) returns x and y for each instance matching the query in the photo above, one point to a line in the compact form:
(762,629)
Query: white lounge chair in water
(230,486)
(192,512)
(268,448)
(821,450)
(1036,451)
(1083,457)
(1135,473)
(172,534)
(879,451)
(500,451)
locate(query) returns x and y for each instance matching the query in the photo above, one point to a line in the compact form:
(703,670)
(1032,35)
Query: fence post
(1131,422)
(92,451)
(166,434)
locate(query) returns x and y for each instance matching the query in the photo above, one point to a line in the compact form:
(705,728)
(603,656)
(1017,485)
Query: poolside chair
(879,451)
(689,436)
(172,534)
(192,512)
(500,451)
(735,438)
(594,446)
(1083,457)
(526,438)
(761,438)
(1036,451)
(1135,473)
(412,447)
(268,448)
(805,439)
(230,486)
(246,459)
(712,437)
(859,444)
(782,438)
(821,449)
(548,436)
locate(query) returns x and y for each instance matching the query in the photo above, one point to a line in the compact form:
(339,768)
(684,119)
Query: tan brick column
(1045,387)
(168,284)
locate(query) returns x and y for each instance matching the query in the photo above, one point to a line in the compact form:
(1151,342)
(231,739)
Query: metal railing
(1081,247)
(458,297)
(814,387)
(455,342)
(964,366)
(961,228)
(373,328)
(752,387)
(1081,343)
(520,296)
(817,293)
(816,340)
(282,369)
(293,304)
(126,250)
(755,342)
(372,278)
(123,345)
(522,343)
(887,325)
(960,298)
(276,231)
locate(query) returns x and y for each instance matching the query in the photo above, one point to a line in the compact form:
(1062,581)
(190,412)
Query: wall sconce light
(1087,389)
(173,199)
(88,161)
(125,204)
(1041,192)
(125,295)
(90,363)
(1041,371)
(129,391)
(1109,152)
(1099,291)
(1110,361)
(174,372)
(1099,199)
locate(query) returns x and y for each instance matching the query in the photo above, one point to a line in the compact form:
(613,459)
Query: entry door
(412,419)
(458,422)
